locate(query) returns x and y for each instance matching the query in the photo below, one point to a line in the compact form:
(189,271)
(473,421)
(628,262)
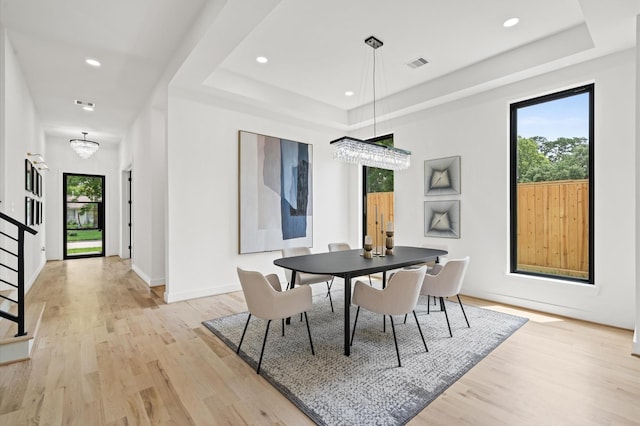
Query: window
(551,185)
(378,197)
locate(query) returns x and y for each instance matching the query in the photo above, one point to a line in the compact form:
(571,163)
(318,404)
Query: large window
(378,206)
(552,185)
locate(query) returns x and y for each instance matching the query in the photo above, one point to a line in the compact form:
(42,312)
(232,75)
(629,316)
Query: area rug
(368,387)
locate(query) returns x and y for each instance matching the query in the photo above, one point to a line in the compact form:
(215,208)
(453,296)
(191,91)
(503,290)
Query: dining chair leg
(429,303)
(353,332)
(243,331)
(309,332)
(370,283)
(463,312)
(395,341)
(420,330)
(264,342)
(329,294)
(444,308)
(405,318)
(282,327)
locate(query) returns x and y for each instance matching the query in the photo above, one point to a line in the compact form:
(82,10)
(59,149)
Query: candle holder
(367,251)
(389,243)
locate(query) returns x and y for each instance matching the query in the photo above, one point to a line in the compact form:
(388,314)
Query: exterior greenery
(84,186)
(380,180)
(542,160)
(88,186)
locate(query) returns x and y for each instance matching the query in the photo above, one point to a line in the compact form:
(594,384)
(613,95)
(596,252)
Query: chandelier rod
(374,94)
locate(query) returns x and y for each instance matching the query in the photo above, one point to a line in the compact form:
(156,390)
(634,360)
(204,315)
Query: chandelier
(83,147)
(368,152)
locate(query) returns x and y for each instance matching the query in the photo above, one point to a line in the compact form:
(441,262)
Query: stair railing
(19,271)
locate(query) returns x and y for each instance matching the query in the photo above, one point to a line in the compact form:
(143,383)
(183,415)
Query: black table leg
(293,284)
(347,312)
(384,317)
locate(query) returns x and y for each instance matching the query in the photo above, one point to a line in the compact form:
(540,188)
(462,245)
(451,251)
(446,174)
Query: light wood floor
(110,352)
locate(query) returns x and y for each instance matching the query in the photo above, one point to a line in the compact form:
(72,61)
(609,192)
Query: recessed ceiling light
(511,22)
(87,108)
(93,62)
(348,93)
(262,60)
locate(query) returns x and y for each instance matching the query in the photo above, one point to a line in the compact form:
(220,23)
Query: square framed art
(442,176)
(442,219)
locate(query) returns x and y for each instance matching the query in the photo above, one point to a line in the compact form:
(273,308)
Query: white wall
(203,195)
(21,133)
(143,151)
(62,159)
(477,128)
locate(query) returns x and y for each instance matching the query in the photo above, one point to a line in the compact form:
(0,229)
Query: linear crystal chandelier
(83,147)
(367,152)
(370,154)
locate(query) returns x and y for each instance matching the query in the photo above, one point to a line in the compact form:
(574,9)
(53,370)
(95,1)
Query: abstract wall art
(275,184)
(442,219)
(442,176)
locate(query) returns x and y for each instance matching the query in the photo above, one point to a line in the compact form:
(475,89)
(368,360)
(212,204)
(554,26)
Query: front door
(84,216)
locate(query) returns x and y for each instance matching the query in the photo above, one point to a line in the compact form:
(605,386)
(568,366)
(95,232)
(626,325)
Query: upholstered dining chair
(399,297)
(342,247)
(265,300)
(445,280)
(303,277)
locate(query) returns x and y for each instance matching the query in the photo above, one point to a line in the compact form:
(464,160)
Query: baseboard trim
(151,282)
(179,296)
(141,274)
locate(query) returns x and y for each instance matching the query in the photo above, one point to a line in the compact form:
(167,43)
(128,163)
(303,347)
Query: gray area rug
(368,387)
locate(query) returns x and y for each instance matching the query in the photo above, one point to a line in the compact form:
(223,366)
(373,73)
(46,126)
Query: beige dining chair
(342,247)
(446,281)
(266,300)
(303,277)
(399,297)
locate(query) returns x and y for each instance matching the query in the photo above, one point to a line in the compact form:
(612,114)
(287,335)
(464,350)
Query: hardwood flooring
(111,352)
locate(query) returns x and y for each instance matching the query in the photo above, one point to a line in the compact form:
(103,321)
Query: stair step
(13,349)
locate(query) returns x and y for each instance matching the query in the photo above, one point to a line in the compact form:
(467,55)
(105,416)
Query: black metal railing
(16,268)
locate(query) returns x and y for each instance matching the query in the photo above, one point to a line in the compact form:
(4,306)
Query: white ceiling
(316,50)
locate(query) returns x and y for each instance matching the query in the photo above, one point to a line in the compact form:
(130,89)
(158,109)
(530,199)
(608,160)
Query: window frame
(365,183)
(513,163)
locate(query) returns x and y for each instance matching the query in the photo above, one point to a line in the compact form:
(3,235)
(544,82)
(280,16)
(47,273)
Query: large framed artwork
(442,176)
(275,184)
(442,219)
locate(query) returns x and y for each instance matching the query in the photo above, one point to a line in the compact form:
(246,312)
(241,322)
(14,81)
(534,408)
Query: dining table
(349,264)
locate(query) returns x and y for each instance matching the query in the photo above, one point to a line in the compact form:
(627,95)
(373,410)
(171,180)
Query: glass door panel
(84,216)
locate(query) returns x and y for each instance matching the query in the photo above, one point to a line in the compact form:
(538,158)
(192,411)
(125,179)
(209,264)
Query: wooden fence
(383,203)
(553,227)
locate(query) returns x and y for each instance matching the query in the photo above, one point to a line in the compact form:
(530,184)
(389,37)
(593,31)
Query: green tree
(531,162)
(380,180)
(88,186)
(541,160)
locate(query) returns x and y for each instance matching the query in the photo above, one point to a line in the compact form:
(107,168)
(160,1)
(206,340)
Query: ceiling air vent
(89,104)
(417,63)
